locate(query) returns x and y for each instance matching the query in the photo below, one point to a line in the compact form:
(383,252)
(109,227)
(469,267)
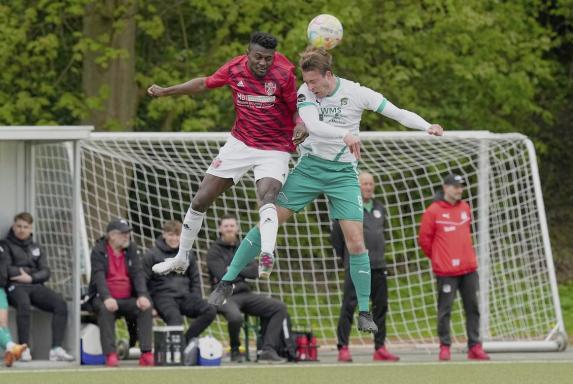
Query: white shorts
(235,158)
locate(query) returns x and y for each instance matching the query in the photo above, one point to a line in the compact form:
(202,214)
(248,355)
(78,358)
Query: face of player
(119,240)
(22,229)
(453,193)
(318,84)
(229,230)
(366,186)
(171,239)
(260,59)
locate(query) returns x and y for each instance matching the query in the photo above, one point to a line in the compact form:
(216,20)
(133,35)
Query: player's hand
(299,134)
(110,304)
(436,130)
(353,143)
(143,303)
(155,91)
(23,277)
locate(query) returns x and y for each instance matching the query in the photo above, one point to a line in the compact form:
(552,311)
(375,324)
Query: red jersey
(264,107)
(445,237)
(117,278)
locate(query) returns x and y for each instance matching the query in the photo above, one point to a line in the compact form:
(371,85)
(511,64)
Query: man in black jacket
(27,272)
(374,224)
(174,294)
(118,288)
(243,300)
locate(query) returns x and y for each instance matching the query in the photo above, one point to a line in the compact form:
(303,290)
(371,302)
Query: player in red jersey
(263,83)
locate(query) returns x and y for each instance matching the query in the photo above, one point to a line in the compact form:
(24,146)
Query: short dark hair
(265,40)
(316,59)
(24,216)
(227,216)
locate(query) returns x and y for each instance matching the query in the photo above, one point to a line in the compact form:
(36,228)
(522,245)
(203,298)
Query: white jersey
(342,111)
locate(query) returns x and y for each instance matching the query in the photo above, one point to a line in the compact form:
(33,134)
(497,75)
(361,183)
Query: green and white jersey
(342,109)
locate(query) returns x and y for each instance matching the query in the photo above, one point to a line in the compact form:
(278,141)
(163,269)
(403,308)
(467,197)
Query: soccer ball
(324,31)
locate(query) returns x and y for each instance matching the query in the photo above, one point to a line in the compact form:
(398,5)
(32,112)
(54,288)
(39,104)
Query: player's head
(316,67)
(118,233)
(453,186)
(22,226)
(228,227)
(366,185)
(171,233)
(261,53)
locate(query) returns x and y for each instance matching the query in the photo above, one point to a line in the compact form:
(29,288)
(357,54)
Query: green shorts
(313,176)
(3,299)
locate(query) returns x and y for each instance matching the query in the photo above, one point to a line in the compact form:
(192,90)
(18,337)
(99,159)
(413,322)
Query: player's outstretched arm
(411,120)
(188,88)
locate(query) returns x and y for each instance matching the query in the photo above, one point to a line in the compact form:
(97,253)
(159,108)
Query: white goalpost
(149,178)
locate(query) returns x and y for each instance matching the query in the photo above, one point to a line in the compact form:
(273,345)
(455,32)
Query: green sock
(360,274)
(249,249)
(5,337)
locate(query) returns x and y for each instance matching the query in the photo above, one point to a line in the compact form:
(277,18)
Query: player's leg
(248,250)
(270,173)
(211,187)
(379,296)
(469,288)
(12,351)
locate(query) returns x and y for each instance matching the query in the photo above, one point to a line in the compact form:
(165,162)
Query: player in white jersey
(331,109)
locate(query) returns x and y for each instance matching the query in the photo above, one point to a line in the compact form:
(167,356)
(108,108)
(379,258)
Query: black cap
(118,224)
(453,179)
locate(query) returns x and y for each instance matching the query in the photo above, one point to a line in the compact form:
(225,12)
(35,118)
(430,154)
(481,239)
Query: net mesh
(150,179)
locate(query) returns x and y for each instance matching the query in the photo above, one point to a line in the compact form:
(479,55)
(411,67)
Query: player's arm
(187,88)
(427,232)
(410,119)
(310,117)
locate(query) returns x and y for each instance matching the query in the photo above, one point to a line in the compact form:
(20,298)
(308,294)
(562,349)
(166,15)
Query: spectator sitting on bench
(243,300)
(27,272)
(174,294)
(117,288)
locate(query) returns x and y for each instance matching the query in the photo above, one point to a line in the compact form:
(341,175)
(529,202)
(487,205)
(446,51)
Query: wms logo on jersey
(344,101)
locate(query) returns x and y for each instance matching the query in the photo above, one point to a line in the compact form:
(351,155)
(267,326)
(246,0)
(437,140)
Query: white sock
(191,226)
(269,225)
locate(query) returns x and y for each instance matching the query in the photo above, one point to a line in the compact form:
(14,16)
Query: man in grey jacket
(374,225)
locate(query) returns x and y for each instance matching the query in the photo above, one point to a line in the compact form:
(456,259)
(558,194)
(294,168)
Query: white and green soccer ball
(324,31)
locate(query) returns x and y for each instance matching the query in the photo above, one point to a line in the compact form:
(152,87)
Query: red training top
(445,237)
(264,107)
(117,279)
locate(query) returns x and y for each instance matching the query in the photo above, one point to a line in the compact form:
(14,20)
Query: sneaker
(26,355)
(266,262)
(477,353)
(146,360)
(60,354)
(222,292)
(15,353)
(445,354)
(382,354)
(270,356)
(177,264)
(344,354)
(236,356)
(111,360)
(365,322)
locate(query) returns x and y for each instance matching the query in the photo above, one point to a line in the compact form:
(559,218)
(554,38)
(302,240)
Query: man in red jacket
(445,237)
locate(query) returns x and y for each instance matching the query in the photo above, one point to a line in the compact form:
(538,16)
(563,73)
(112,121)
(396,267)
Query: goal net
(151,178)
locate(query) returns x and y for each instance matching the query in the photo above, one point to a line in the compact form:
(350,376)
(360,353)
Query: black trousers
(22,297)
(172,310)
(126,308)
(379,298)
(468,285)
(273,310)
